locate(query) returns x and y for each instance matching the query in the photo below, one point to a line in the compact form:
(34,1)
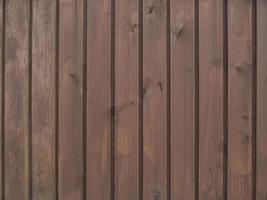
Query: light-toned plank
(70,99)
(240,100)
(211,99)
(127,100)
(43,99)
(261,100)
(17,100)
(155,99)
(98,99)
(182,99)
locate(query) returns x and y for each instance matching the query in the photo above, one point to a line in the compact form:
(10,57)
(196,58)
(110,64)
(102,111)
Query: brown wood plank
(43,100)
(240,100)
(182,99)
(127,100)
(98,99)
(17,100)
(211,99)
(261,100)
(70,99)
(155,99)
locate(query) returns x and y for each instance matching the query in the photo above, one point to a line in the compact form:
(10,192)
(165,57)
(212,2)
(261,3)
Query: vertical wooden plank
(155,99)
(17,100)
(127,100)
(43,99)
(211,99)
(98,99)
(261,100)
(240,100)
(182,99)
(70,99)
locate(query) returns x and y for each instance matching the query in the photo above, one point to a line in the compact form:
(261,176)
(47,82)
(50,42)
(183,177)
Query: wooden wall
(133,99)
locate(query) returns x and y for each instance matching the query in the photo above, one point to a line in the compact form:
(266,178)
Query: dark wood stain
(133,99)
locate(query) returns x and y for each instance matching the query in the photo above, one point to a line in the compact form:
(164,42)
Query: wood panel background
(133,100)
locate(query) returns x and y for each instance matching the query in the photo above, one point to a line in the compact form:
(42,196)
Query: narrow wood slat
(98,99)
(17,100)
(182,99)
(127,100)
(155,99)
(240,100)
(43,99)
(211,99)
(70,99)
(261,100)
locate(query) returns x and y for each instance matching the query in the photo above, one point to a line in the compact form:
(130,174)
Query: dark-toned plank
(43,99)
(17,100)
(98,99)
(70,99)
(240,100)
(211,99)
(261,100)
(155,99)
(127,100)
(182,100)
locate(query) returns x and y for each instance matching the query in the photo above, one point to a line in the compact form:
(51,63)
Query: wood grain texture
(261,100)
(70,99)
(127,100)
(155,99)
(211,99)
(17,100)
(240,100)
(43,99)
(182,99)
(98,99)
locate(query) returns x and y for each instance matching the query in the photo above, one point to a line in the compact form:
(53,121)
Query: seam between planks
(196,99)
(84,99)
(57,102)
(254,99)
(225,99)
(141,136)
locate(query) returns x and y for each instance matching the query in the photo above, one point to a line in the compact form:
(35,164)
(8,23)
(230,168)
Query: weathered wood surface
(182,89)
(211,100)
(133,99)
(44,100)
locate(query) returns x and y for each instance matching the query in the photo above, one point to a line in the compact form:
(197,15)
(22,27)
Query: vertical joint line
(113,108)
(30,97)
(254,99)
(196,100)
(141,136)
(84,99)
(168,55)
(225,100)
(3,98)
(57,102)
